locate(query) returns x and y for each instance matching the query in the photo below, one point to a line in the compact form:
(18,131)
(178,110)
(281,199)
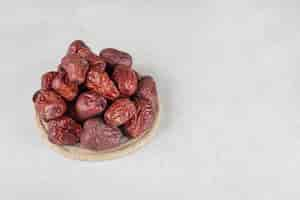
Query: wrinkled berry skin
(89,104)
(126,80)
(79,48)
(84,52)
(48,104)
(63,86)
(147,90)
(98,136)
(75,46)
(143,119)
(116,57)
(119,112)
(99,81)
(63,131)
(76,68)
(93,59)
(46,80)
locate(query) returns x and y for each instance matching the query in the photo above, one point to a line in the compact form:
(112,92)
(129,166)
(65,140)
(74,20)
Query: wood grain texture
(77,153)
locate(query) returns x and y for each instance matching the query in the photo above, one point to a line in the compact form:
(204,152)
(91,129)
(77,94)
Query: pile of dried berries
(95,100)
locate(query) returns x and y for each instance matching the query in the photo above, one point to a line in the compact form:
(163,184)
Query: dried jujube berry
(99,81)
(89,104)
(92,58)
(97,135)
(75,46)
(143,119)
(79,48)
(119,112)
(63,86)
(48,104)
(147,90)
(63,131)
(46,80)
(116,57)
(76,67)
(126,80)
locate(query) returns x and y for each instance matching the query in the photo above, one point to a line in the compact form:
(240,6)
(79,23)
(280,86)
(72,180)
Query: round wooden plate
(77,153)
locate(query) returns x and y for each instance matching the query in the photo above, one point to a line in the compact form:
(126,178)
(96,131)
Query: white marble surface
(229,85)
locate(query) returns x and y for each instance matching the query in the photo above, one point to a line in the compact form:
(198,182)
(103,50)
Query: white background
(228,82)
